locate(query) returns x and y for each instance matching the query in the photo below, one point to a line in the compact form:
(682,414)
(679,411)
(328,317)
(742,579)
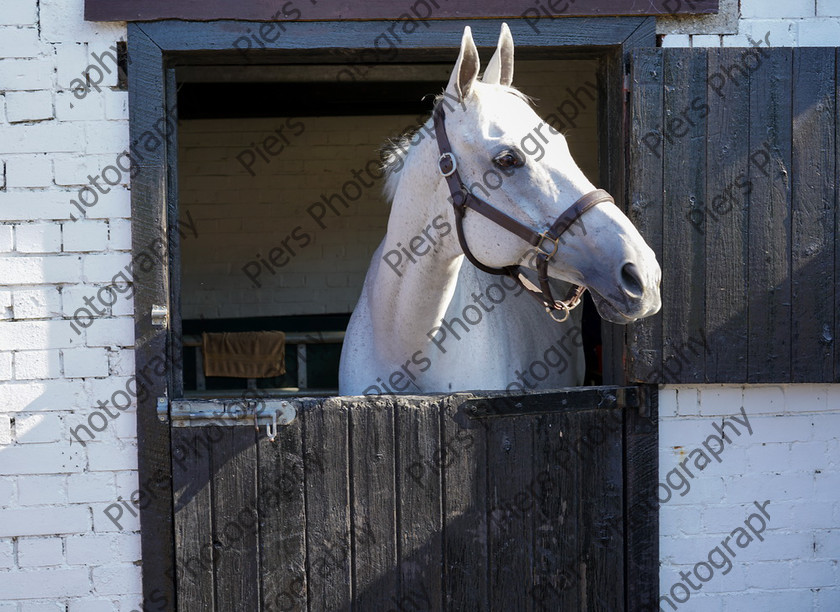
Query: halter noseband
(545,244)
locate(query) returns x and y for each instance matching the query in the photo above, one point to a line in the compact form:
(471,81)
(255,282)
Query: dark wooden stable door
(437,503)
(733,182)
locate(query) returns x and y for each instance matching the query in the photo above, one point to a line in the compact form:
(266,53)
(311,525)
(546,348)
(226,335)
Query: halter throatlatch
(546,244)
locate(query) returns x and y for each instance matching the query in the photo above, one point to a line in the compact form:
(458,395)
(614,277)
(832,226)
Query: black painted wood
(726,243)
(147,10)
(353,41)
(461,459)
(328,507)
(235,519)
(770,305)
(641,508)
(373,516)
(757,300)
(510,452)
(193,518)
(602,487)
(173,235)
(645,185)
(614,133)
(558,534)
(282,511)
(813,206)
(419,457)
(685,218)
(837,225)
(419,504)
(148,211)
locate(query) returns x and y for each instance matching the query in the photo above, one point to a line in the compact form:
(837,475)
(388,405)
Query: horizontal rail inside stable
(300,339)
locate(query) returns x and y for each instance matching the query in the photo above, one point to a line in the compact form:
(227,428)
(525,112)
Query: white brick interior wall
(791,459)
(240,216)
(57,552)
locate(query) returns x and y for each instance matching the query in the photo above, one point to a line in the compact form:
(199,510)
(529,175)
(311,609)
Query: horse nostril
(631,280)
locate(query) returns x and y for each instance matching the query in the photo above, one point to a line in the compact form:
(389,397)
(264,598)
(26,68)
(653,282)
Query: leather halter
(546,244)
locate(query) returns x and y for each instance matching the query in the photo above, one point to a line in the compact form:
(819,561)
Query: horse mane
(394,153)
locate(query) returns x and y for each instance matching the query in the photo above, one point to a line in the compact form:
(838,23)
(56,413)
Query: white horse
(427,321)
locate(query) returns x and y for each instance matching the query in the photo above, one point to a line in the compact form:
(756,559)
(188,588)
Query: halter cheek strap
(546,244)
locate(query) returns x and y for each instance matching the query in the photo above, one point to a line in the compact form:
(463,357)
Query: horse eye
(508,159)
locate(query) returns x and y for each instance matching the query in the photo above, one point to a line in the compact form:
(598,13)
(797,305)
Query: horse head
(503,153)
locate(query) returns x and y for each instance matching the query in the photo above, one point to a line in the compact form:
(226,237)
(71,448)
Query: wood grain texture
(645,187)
(463,460)
(758,298)
(193,519)
(148,213)
(414,504)
(837,222)
(510,450)
(558,532)
(612,132)
(235,520)
(420,499)
(373,512)
(727,156)
(814,208)
(685,216)
(268,10)
(602,487)
(769,219)
(173,238)
(328,536)
(282,507)
(356,41)
(641,509)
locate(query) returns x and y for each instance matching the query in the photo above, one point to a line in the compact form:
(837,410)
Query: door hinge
(163,409)
(627,83)
(160,316)
(122,65)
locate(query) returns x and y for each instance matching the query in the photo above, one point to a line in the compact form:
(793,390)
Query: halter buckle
(447,159)
(555,241)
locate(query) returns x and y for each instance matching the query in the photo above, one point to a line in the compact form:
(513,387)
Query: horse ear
(466,68)
(500,68)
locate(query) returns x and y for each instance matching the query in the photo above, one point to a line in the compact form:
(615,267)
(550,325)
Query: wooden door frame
(155,48)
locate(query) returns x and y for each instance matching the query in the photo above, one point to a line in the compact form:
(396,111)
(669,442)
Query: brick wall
(56,552)
(244,206)
(790,458)
(788,23)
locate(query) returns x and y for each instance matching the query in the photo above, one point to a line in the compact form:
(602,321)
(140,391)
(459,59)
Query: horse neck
(407,305)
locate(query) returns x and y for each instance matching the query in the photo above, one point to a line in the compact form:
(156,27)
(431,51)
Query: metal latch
(160,315)
(283,415)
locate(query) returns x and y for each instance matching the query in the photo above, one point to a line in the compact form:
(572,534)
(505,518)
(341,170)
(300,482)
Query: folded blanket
(245,355)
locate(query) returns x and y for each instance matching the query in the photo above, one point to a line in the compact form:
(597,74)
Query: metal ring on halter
(452,160)
(567,312)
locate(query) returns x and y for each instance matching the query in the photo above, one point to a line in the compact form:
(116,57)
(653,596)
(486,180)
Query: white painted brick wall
(58,552)
(791,459)
(51,377)
(790,23)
